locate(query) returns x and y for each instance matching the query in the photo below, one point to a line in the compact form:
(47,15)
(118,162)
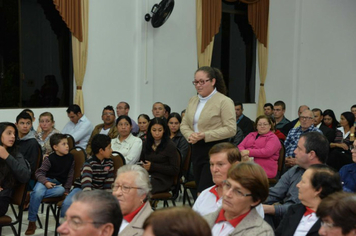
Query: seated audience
(338,215)
(318,118)
(143,121)
(246,187)
(97,171)
(340,153)
(32,114)
(47,130)
(132,188)
(296,122)
(279,109)
(306,125)
(79,126)
(94,213)
(13,166)
(168,111)
(55,177)
(268,109)
(277,132)
(28,144)
(312,148)
(176,221)
(122,109)
(317,182)
(160,156)
(242,121)
(263,146)
(348,173)
(158,110)
(125,143)
(222,157)
(176,136)
(108,127)
(330,120)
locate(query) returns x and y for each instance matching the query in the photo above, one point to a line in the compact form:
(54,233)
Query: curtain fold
(75,14)
(70,11)
(262,66)
(208,24)
(80,54)
(258,11)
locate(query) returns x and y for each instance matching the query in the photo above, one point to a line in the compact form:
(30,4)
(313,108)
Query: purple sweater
(264,149)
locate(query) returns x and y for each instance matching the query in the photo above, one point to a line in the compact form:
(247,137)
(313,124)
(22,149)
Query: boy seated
(55,177)
(97,172)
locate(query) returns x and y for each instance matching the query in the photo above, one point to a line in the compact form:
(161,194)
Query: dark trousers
(201,165)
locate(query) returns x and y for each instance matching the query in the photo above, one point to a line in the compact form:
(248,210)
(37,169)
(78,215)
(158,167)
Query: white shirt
(124,223)
(305,224)
(222,228)
(343,132)
(130,148)
(207,203)
(200,107)
(80,131)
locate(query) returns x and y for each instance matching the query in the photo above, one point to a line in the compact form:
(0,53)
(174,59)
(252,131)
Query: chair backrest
(281,159)
(118,160)
(71,141)
(187,162)
(19,195)
(79,158)
(38,162)
(176,183)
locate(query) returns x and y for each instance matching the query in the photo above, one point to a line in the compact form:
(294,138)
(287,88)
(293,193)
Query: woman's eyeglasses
(200,82)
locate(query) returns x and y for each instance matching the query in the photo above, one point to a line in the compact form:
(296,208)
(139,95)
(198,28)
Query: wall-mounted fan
(160,13)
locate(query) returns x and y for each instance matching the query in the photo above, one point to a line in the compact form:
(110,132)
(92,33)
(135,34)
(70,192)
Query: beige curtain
(208,23)
(262,66)
(75,14)
(80,54)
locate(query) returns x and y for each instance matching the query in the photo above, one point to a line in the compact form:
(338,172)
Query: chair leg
(188,198)
(47,219)
(173,202)
(39,221)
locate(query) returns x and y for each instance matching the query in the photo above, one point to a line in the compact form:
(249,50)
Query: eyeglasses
(263,124)
(124,189)
(75,224)
(352,147)
(200,82)
(327,225)
(306,118)
(227,186)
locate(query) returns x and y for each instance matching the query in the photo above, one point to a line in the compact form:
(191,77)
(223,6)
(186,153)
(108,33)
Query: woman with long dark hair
(329,119)
(13,167)
(209,119)
(174,120)
(160,156)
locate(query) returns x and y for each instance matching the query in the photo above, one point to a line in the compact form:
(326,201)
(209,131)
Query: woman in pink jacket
(263,145)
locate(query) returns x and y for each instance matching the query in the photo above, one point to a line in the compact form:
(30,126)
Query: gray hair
(105,207)
(142,178)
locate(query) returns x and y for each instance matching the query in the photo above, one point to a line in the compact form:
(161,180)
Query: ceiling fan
(160,13)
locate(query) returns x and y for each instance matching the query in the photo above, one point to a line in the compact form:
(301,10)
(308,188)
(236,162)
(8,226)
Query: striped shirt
(96,174)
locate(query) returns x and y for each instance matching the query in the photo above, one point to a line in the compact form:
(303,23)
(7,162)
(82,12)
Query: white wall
(311,57)
(312,54)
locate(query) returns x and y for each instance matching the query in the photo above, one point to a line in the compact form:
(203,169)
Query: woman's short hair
(142,178)
(269,120)
(177,221)
(252,177)
(175,115)
(128,119)
(326,179)
(341,208)
(215,73)
(232,152)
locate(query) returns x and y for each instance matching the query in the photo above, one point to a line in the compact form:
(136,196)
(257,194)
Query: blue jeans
(68,201)
(39,192)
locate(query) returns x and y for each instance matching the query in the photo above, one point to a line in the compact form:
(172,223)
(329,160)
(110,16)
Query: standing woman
(47,130)
(160,156)
(174,120)
(13,167)
(209,119)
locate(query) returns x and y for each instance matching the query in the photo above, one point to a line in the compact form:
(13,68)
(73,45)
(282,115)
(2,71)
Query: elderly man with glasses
(306,125)
(92,213)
